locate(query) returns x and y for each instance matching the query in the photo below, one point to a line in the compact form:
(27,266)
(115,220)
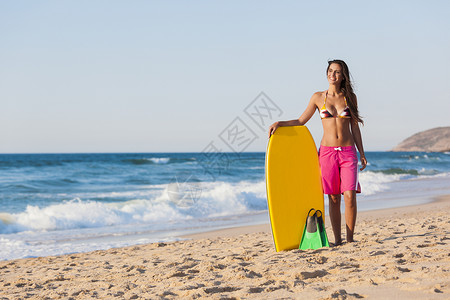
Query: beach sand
(400,253)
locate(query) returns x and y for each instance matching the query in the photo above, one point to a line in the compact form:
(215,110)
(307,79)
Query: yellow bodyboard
(293,184)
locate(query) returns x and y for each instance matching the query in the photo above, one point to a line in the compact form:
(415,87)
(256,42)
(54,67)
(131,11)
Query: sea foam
(216,199)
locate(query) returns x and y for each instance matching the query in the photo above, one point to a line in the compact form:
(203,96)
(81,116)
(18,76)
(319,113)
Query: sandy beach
(400,253)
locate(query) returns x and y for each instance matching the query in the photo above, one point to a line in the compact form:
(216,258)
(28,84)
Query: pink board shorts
(339,167)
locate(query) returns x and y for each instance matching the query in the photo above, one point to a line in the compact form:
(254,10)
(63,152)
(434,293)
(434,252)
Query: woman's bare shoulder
(318,96)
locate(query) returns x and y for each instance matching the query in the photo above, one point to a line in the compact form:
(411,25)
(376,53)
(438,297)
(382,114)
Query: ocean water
(54,204)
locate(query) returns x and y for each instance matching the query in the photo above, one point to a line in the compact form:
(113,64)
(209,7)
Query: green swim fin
(323,232)
(314,234)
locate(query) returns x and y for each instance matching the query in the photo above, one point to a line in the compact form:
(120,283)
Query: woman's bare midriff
(336,133)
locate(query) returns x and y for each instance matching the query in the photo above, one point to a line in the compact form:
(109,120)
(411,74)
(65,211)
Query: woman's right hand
(273,127)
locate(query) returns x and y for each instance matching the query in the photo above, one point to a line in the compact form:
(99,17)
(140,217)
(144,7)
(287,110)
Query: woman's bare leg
(350,213)
(335,217)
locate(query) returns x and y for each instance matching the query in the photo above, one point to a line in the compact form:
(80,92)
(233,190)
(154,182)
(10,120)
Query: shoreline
(93,214)
(91,239)
(433,202)
(401,254)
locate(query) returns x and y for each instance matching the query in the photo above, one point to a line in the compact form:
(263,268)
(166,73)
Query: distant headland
(432,140)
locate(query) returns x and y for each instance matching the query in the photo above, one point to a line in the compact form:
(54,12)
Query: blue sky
(156,76)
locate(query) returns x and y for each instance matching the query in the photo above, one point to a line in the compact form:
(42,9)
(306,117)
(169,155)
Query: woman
(338,109)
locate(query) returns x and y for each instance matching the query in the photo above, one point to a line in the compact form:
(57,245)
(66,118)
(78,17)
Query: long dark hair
(347,89)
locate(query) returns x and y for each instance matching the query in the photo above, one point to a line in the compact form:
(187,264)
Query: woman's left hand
(363,163)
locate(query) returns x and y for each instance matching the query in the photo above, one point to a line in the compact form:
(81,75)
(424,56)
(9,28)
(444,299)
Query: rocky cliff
(433,140)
